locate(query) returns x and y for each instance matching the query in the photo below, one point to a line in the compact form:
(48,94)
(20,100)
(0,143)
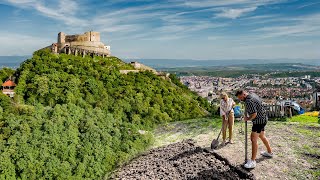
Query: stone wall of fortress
(89,42)
(86,37)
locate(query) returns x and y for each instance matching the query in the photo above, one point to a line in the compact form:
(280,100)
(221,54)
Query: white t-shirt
(226,106)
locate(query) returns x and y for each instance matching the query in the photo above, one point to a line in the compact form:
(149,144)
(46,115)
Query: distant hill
(12,61)
(174,63)
(286,69)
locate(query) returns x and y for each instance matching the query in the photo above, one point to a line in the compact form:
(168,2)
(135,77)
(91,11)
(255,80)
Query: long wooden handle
(246,138)
(222,126)
(219,133)
(246,143)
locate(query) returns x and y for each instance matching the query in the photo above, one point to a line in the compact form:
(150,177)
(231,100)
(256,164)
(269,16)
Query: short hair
(239,92)
(224,94)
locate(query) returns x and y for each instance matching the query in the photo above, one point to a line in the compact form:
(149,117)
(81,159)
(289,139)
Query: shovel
(215,142)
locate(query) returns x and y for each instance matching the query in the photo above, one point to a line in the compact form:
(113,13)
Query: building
(80,44)
(142,67)
(316,99)
(138,67)
(8,88)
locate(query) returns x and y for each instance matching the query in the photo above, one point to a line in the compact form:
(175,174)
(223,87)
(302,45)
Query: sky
(169,29)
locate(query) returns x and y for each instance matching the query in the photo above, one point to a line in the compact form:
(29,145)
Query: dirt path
(296,148)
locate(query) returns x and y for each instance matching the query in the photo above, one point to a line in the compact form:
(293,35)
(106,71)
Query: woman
(227,114)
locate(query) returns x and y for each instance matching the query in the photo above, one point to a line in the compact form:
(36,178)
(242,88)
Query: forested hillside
(74,117)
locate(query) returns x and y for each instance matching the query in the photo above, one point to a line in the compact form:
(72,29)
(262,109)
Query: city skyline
(170,29)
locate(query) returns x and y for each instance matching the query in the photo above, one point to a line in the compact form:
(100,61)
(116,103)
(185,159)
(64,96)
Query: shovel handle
(246,142)
(246,138)
(227,115)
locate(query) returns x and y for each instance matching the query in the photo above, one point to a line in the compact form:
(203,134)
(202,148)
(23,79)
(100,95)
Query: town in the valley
(301,90)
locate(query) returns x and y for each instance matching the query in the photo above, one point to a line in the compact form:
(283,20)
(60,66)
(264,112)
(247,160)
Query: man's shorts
(258,128)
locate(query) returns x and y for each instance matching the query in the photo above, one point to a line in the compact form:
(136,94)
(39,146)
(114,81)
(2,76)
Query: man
(258,116)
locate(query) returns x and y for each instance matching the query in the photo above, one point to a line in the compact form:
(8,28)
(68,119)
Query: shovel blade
(214,144)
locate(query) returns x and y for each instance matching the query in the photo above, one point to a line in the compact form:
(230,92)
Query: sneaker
(250,164)
(266,154)
(223,143)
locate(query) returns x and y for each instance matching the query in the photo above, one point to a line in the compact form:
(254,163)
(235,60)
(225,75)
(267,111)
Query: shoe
(223,143)
(250,164)
(266,154)
(231,142)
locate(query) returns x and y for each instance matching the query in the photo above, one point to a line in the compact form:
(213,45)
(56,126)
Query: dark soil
(312,155)
(312,127)
(181,160)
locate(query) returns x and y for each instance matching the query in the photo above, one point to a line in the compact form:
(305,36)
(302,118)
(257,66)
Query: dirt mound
(181,160)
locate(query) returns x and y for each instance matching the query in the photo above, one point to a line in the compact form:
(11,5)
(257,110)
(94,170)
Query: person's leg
(251,163)
(231,123)
(254,141)
(265,141)
(224,129)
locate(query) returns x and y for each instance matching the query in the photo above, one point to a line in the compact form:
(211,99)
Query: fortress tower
(84,44)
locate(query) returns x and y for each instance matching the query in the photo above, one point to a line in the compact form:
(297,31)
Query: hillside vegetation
(75,118)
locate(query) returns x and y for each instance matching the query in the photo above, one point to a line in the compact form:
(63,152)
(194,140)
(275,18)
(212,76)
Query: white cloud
(64,10)
(235,13)
(22,1)
(214,3)
(297,26)
(120,28)
(307,5)
(225,3)
(26,45)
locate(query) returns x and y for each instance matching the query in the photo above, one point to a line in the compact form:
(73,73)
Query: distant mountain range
(176,63)
(14,62)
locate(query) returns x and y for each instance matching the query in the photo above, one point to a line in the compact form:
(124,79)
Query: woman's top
(226,106)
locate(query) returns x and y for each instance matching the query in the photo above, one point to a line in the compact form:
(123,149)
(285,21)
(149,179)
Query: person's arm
(233,103)
(222,113)
(251,117)
(251,110)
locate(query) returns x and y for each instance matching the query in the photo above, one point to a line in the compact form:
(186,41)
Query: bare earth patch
(181,160)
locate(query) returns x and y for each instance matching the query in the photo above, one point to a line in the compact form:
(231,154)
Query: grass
(312,154)
(188,129)
(308,132)
(304,119)
(308,126)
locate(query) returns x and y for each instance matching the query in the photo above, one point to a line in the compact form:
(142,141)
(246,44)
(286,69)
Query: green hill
(75,118)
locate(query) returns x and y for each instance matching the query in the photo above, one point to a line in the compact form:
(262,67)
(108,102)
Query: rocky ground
(183,160)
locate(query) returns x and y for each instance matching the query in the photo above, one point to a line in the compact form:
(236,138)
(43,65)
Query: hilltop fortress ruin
(81,44)
(89,44)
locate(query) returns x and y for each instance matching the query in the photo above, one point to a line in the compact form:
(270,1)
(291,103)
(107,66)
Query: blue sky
(171,29)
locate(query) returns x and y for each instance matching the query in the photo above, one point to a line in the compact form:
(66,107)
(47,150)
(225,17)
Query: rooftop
(9,83)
